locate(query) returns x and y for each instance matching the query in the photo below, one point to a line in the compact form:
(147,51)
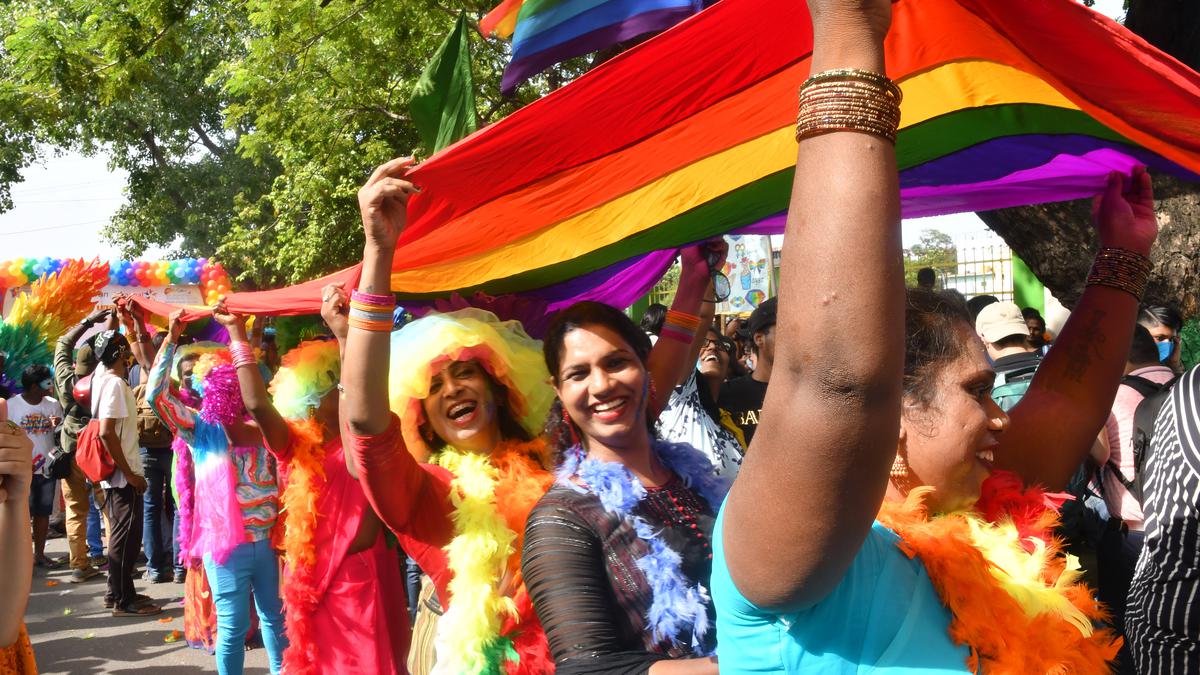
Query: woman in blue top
(860,532)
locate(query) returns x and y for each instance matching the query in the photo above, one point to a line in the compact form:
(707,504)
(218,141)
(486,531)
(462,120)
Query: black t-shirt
(1014,362)
(743,398)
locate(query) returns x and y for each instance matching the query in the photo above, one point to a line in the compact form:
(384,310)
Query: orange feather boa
(305,481)
(1015,598)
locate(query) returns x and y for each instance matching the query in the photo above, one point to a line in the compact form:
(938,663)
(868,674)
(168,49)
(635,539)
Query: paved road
(89,639)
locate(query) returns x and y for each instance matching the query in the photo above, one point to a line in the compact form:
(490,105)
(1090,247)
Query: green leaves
(246,127)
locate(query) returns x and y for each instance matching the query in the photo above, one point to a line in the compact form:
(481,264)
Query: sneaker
(79,576)
(180,576)
(98,561)
(164,578)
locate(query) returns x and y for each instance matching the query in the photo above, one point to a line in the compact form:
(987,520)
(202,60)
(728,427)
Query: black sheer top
(580,566)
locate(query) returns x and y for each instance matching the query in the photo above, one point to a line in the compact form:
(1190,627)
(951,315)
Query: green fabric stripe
(930,140)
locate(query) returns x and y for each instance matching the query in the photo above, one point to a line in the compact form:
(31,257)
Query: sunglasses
(722,343)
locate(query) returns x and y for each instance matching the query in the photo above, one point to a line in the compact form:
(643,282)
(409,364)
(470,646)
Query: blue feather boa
(677,605)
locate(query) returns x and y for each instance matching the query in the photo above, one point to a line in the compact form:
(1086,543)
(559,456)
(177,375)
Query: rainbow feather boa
(305,482)
(1015,598)
(677,605)
(484,631)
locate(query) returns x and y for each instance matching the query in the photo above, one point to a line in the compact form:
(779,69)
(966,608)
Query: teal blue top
(885,616)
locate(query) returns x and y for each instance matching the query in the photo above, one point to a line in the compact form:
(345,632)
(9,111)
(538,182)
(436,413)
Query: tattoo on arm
(1089,349)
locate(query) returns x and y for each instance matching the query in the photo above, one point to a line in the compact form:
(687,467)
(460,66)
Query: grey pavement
(73,633)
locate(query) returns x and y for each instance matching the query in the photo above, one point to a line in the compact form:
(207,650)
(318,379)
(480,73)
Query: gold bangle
(1121,269)
(849,100)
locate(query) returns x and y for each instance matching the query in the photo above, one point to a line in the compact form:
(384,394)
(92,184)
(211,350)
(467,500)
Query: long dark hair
(561,433)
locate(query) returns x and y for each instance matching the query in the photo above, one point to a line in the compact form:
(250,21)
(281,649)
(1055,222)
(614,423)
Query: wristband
(373,298)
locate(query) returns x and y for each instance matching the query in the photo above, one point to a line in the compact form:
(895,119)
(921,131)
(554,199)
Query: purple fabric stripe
(524,68)
(1062,178)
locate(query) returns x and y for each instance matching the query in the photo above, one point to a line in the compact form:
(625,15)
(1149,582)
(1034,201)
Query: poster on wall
(748,267)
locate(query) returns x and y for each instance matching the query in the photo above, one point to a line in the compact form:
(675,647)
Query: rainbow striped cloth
(690,135)
(586,192)
(546,32)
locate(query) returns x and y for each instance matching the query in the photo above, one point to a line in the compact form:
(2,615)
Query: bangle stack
(849,99)
(242,353)
(1121,269)
(371,312)
(680,326)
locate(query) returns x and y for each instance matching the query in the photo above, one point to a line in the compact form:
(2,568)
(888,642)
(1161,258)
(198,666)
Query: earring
(570,427)
(899,469)
(653,390)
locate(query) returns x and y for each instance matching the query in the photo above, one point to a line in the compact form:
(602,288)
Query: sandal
(138,610)
(138,601)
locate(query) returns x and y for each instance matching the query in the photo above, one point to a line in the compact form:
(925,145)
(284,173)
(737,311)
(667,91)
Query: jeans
(251,566)
(412,584)
(158,516)
(94,543)
(124,507)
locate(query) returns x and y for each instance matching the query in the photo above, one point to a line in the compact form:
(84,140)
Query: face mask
(46,385)
(1165,349)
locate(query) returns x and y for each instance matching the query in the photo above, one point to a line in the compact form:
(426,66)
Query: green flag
(443,100)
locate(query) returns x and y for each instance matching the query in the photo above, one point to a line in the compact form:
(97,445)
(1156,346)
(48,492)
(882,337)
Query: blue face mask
(1165,349)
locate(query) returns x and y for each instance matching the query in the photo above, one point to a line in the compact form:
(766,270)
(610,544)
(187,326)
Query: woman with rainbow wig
(441,421)
(235,503)
(342,587)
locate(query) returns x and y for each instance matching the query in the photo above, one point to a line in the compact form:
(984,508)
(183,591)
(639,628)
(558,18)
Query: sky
(64,202)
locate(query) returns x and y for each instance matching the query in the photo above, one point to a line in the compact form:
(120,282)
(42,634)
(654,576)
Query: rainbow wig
(196,349)
(306,375)
(506,352)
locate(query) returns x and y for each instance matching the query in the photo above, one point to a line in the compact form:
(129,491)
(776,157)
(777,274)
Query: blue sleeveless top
(884,616)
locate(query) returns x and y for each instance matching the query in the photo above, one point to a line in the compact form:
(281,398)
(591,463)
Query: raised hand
(335,309)
(695,260)
(1124,212)
(234,323)
(16,462)
(175,325)
(383,203)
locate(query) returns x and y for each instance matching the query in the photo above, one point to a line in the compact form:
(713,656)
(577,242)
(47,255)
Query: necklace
(677,605)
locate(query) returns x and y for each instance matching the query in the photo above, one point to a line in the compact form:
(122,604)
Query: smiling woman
(617,554)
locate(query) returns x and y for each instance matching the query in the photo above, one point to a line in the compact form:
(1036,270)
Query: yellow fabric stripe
(942,90)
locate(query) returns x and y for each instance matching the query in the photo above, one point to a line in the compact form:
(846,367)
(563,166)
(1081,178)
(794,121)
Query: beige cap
(1000,320)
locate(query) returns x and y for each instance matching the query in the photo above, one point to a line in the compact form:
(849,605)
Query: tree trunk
(1058,243)
(1057,240)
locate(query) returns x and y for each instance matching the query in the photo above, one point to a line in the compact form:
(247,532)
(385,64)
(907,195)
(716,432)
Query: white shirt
(36,420)
(112,398)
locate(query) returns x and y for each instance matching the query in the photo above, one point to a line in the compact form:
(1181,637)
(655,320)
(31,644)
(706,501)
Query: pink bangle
(243,354)
(372,298)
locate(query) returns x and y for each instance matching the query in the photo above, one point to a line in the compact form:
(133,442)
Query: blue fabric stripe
(606,14)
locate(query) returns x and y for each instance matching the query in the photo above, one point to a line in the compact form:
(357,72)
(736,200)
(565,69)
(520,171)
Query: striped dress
(1163,614)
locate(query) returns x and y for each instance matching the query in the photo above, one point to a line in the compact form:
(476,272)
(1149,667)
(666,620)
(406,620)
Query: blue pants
(251,566)
(158,514)
(94,542)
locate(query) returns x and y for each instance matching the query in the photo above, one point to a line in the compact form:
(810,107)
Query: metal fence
(980,270)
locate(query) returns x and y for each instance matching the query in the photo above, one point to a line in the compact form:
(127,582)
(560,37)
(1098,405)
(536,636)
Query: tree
(1057,241)
(246,127)
(934,249)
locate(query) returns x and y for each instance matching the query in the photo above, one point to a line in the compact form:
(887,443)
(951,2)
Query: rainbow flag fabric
(690,135)
(546,32)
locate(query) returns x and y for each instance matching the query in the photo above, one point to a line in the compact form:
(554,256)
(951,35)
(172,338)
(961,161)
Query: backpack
(91,456)
(152,431)
(1011,385)
(1154,396)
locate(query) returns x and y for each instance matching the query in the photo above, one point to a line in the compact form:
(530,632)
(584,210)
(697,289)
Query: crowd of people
(855,476)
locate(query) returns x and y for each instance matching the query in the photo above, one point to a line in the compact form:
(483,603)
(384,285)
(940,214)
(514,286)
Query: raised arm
(814,479)
(64,361)
(135,329)
(254,391)
(180,418)
(1053,427)
(335,309)
(669,361)
(383,202)
(16,544)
